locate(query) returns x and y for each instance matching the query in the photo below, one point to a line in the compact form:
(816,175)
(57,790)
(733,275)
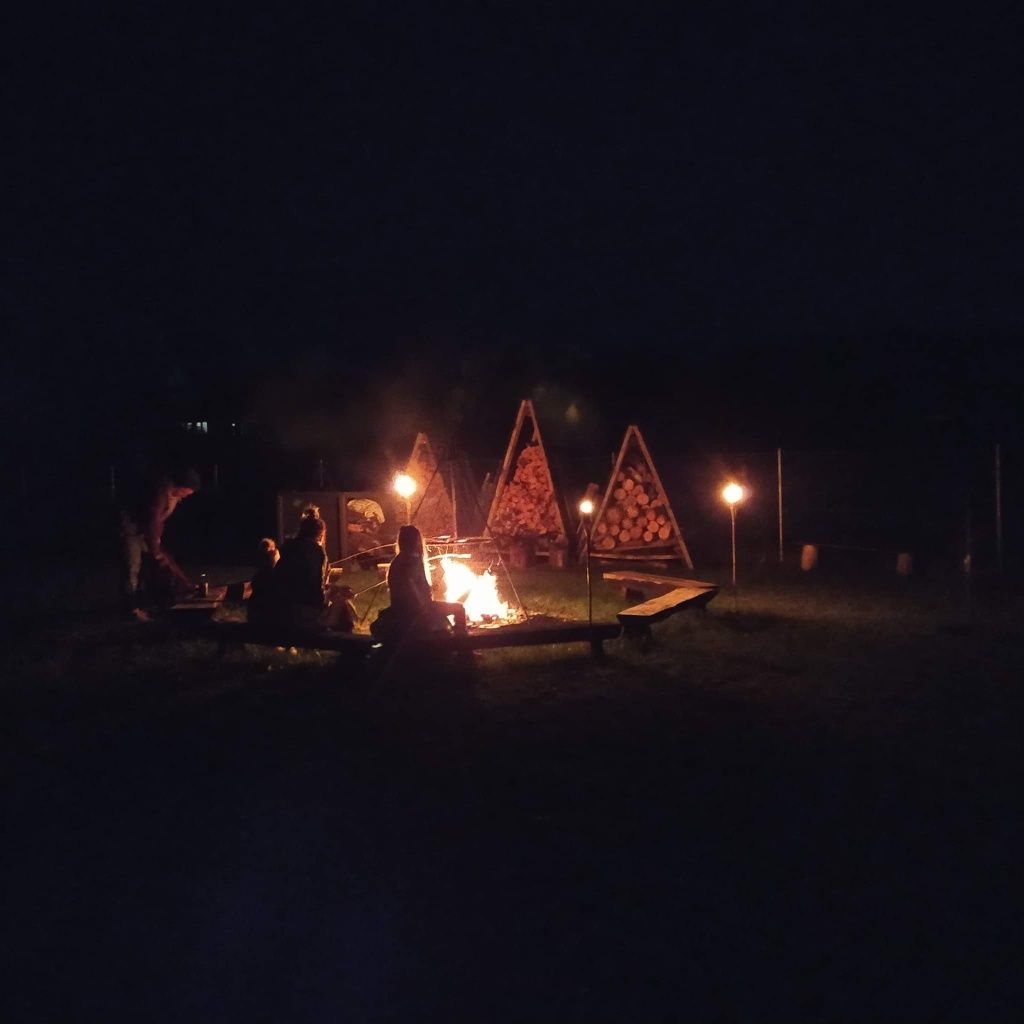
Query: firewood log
(648,536)
(613,515)
(619,494)
(665,532)
(628,483)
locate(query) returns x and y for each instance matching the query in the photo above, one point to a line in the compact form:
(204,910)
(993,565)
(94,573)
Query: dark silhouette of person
(145,564)
(300,577)
(261,608)
(412,605)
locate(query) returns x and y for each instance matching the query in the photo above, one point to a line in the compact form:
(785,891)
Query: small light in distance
(586,507)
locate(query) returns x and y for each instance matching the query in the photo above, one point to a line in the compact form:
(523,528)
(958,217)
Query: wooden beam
(658,608)
(627,576)
(664,493)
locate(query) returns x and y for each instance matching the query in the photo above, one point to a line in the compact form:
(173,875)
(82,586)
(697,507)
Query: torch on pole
(405,487)
(732,495)
(587,511)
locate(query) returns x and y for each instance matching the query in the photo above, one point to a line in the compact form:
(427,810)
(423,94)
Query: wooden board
(271,636)
(520,635)
(523,635)
(213,599)
(627,576)
(658,608)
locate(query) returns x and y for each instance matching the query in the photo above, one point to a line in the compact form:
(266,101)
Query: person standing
(143,557)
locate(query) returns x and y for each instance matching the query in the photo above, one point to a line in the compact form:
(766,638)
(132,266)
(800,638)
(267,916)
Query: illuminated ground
(809,809)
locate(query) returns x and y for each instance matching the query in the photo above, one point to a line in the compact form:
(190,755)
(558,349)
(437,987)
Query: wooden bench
(679,594)
(196,607)
(359,646)
(228,634)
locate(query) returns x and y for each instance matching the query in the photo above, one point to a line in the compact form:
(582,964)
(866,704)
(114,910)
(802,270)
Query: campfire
(477,593)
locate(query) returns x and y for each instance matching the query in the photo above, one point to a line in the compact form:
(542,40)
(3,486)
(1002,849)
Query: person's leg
(132,546)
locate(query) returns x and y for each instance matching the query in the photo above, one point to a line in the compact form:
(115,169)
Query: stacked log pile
(526,507)
(636,513)
(431,504)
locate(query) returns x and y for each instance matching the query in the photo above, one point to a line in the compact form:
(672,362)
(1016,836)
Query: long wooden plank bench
(681,593)
(359,645)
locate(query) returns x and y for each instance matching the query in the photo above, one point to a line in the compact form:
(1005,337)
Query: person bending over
(142,552)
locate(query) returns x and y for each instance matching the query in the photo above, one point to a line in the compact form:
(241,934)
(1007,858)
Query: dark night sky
(811,217)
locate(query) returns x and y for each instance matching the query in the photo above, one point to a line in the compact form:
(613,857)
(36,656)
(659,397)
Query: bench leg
(639,637)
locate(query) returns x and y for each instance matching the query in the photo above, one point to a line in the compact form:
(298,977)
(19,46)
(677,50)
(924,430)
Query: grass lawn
(804,806)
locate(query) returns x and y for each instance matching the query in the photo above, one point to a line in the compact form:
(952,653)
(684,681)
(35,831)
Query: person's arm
(159,513)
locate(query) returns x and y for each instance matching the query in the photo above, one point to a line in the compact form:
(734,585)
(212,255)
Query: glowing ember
(478,594)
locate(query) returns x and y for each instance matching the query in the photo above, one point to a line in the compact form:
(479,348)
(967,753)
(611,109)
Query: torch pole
(999,507)
(590,590)
(778,464)
(732,518)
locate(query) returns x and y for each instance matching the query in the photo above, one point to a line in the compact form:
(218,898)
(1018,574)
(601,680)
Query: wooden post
(968,558)
(778,461)
(999,507)
(455,500)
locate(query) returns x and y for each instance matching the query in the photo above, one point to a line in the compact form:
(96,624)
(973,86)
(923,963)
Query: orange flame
(477,593)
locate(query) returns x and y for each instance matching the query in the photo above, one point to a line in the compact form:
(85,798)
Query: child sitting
(342,615)
(262,602)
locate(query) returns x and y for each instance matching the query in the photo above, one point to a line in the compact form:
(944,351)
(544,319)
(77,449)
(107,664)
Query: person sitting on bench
(261,608)
(300,593)
(300,577)
(412,605)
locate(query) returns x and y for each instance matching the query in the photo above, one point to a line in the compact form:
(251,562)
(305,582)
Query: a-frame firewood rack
(527,505)
(635,521)
(433,508)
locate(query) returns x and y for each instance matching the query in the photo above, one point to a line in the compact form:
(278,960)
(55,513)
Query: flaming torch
(587,511)
(405,488)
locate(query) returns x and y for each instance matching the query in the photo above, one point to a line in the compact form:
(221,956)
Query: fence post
(999,507)
(778,459)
